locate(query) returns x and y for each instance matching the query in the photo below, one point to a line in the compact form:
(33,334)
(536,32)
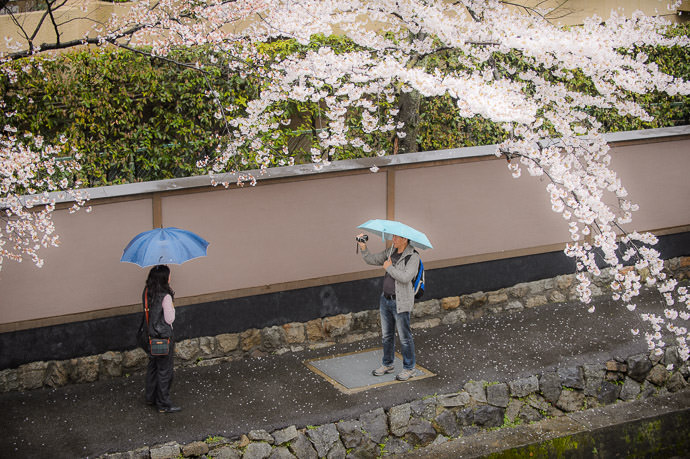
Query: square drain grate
(351,372)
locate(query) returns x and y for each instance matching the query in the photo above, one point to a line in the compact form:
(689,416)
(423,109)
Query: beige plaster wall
(302,229)
(275,233)
(84,273)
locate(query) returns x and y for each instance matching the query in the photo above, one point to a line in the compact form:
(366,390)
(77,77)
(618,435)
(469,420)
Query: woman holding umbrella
(158,299)
(153,248)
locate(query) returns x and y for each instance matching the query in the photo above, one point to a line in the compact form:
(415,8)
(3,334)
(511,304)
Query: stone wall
(479,405)
(297,336)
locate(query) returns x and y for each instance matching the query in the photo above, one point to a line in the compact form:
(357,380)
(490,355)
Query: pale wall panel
(275,233)
(84,273)
(476,208)
(657,179)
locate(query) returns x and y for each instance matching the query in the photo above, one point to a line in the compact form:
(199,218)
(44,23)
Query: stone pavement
(279,391)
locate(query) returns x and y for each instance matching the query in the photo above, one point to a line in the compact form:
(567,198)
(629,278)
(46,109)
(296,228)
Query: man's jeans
(390,320)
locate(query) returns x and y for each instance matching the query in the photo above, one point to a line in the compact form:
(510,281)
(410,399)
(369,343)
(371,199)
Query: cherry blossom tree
(500,63)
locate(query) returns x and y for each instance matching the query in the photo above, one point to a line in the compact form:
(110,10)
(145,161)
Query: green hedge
(137,119)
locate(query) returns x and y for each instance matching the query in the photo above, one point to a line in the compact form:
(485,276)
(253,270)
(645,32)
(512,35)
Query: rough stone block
(564,282)
(465,417)
(272,338)
(658,375)
(228,342)
(111,364)
(260,435)
(524,386)
(352,435)
(613,365)
(84,369)
(594,375)
(281,453)
(9,380)
(497,297)
(399,419)
(208,345)
(365,320)
(530,414)
(476,390)
(550,386)
(630,390)
(450,303)
(454,317)
(572,377)
(187,350)
(228,452)
(608,393)
(488,416)
(672,357)
(448,423)
(375,424)
(282,436)
(454,400)
(514,306)
(513,409)
(323,438)
(250,339)
(136,358)
(315,330)
(426,308)
(571,400)
(337,325)
(197,448)
(536,300)
(518,291)
(167,451)
(557,297)
(420,432)
(498,395)
(337,451)
(474,301)
(639,366)
(676,382)
(295,333)
(32,375)
(393,447)
(57,373)
(257,450)
(424,408)
(538,402)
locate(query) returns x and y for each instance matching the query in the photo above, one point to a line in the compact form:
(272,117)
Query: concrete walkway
(273,392)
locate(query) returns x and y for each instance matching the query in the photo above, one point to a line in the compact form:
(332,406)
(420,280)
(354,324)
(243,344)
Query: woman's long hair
(157,282)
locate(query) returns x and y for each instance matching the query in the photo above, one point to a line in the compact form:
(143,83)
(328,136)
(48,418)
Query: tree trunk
(409,114)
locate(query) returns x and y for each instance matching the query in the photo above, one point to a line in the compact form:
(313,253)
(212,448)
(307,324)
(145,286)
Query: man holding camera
(400,262)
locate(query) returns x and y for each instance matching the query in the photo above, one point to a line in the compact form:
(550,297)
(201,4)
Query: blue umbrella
(162,246)
(389,228)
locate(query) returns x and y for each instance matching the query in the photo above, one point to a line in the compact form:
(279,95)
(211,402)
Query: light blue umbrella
(162,246)
(389,228)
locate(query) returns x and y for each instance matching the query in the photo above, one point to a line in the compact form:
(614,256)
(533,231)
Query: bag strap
(146,304)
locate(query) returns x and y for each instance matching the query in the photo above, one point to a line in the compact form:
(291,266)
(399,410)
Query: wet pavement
(230,399)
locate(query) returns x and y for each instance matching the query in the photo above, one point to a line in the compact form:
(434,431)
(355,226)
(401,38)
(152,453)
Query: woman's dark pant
(159,378)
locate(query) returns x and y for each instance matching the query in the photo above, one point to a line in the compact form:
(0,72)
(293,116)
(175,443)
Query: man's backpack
(418,281)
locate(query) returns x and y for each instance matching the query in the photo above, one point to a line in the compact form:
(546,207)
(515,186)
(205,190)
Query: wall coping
(360,165)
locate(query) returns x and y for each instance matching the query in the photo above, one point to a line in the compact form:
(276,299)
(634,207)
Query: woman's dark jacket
(158,327)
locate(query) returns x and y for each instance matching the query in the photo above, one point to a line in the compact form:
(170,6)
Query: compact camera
(363,238)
